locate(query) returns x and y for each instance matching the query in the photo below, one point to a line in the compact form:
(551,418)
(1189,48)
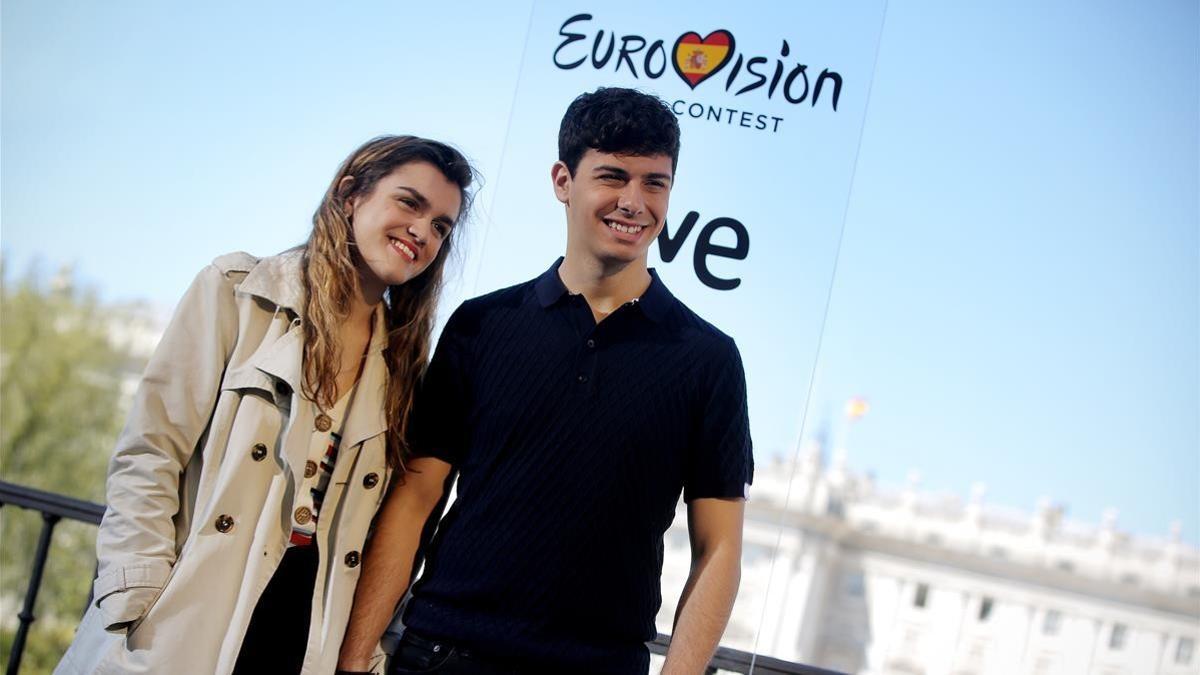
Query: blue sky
(1016,289)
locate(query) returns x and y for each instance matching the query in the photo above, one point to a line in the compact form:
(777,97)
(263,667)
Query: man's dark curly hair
(617,121)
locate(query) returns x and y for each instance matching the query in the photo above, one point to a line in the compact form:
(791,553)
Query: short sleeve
(438,423)
(721,459)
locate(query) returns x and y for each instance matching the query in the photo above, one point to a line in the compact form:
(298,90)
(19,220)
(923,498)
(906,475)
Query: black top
(573,441)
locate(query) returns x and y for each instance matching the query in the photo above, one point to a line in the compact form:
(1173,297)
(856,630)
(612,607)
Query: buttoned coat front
(204,477)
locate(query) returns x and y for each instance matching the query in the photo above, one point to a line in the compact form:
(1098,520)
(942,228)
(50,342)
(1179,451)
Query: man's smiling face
(616,204)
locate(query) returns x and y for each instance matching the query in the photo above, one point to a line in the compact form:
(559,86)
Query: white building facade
(842,575)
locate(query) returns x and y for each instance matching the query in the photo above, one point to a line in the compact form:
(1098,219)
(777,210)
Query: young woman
(266,430)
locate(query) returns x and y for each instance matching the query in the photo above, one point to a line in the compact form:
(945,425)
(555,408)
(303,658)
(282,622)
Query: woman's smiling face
(400,225)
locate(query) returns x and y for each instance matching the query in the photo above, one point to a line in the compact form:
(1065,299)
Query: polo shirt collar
(655,302)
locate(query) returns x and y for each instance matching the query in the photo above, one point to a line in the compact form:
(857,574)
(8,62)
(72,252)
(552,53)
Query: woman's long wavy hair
(331,281)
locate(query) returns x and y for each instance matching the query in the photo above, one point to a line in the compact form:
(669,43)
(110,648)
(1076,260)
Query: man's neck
(604,286)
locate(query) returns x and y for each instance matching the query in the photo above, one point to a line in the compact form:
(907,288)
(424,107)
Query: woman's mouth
(403,248)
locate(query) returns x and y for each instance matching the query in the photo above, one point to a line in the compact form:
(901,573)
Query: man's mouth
(403,248)
(622,227)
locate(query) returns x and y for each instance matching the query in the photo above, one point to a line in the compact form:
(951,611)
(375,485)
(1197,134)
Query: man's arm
(388,561)
(715,529)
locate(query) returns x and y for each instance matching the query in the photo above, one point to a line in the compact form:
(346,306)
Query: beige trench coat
(202,483)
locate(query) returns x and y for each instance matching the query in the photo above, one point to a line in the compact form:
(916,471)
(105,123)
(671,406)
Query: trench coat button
(224,523)
(310,469)
(324,423)
(370,480)
(282,388)
(259,452)
(303,515)
(352,559)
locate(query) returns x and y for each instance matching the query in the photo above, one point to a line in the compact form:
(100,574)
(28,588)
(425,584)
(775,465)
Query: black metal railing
(54,507)
(737,661)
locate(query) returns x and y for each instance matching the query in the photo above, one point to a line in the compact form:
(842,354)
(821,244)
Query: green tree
(61,377)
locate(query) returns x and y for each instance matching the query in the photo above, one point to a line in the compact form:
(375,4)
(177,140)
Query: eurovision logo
(697,60)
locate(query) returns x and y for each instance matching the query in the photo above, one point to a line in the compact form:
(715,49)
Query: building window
(1065,565)
(985,609)
(1051,621)
(921,596)
(1116,639)
(852,584)
(1183,651)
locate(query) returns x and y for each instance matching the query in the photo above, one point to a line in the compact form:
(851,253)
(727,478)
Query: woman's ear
(344,188)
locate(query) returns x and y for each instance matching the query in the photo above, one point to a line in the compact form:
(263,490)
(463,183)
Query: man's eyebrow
(416,194)
(605,168)
(660,176)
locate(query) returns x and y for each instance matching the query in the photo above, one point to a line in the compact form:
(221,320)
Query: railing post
(49,520)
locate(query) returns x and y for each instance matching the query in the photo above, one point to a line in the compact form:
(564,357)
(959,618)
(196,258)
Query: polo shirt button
(352,559)
(582,378)
(370,480)
(310,469)
(282,388)
(224,523)
(303,515)
(259,452)
(591,343)
(324,423)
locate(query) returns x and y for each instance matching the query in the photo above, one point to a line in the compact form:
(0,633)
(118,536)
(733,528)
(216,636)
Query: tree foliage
(61,380)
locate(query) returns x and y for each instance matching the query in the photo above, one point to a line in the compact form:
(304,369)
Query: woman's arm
(135,545)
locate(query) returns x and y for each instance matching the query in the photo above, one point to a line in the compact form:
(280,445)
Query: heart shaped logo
(698,59)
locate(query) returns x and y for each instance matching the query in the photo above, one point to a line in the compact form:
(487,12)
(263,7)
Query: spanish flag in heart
(697,59)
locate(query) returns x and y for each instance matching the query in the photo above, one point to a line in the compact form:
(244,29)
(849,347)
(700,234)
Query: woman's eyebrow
(416,194)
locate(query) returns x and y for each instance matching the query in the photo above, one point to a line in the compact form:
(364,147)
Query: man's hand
(715,530)
(388,561)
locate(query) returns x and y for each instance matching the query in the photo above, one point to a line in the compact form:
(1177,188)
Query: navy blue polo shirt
(572,441)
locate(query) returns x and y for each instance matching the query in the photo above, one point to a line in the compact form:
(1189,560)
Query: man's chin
(611,258)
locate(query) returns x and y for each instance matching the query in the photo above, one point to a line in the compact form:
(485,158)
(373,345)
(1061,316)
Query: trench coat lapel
(278,281)
(283,358)
(366,421)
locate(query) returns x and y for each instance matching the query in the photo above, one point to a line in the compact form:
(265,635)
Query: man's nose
(631,199)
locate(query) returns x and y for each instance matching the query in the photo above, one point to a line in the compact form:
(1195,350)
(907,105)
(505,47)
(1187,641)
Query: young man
(575,408)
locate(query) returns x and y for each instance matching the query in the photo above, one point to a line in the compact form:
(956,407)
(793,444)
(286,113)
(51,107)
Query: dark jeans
(277,637)
(417,654)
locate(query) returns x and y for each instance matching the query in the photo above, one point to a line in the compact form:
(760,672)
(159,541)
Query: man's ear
(560,176)
(344,187)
